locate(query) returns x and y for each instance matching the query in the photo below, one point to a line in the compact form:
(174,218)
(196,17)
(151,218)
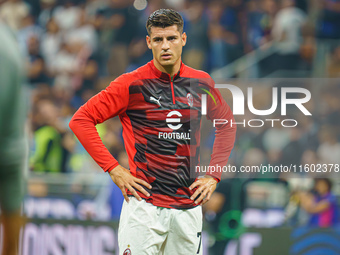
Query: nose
(165,44)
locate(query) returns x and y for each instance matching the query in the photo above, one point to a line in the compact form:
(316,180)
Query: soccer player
(12,143)
(160,108)
(322,205)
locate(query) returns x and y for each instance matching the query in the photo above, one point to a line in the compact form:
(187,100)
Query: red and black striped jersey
(161,119)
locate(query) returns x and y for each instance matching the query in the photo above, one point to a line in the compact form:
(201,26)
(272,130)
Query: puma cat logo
(152,99)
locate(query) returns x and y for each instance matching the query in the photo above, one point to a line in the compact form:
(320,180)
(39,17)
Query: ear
(148,41)
(184,39)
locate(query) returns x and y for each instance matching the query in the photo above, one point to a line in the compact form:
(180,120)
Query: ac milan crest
(127,252)
(190,99)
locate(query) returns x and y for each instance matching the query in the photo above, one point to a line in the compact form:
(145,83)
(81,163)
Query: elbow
(80,121)
(72,124)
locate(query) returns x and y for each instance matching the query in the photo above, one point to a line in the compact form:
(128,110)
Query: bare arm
(310,206)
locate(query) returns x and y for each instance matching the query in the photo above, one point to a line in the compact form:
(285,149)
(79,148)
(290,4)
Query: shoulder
(130,77)
(126,79)
(204,79)
(331,198)
(194,73)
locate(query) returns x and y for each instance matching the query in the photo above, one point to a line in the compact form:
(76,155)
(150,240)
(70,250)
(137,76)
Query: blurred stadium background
(73,49)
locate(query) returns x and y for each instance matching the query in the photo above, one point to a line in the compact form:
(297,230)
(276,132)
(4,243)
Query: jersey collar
(165,76)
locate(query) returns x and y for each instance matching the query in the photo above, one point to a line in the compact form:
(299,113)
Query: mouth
(166,56)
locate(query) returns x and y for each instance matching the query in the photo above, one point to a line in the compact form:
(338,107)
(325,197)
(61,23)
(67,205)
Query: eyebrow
(170,36)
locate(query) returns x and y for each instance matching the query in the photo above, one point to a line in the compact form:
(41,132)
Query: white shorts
(148,229)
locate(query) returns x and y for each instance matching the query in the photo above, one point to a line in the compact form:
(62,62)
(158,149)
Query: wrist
(112,170)
(211,177)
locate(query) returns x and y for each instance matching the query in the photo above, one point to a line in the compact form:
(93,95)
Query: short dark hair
(164,18)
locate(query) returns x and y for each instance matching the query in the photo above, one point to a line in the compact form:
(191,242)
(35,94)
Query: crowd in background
(73,49)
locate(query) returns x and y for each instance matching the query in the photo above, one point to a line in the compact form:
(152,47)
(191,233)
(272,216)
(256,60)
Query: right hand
(125,180)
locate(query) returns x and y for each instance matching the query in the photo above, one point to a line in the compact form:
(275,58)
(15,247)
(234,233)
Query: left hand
(206,186)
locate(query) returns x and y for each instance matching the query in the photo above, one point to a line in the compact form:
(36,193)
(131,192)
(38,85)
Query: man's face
(166,44)
(321,187)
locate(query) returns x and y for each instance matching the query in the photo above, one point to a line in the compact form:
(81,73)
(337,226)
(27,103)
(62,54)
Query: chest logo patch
(156,101)
(174,120)
(127,252)
(190,99)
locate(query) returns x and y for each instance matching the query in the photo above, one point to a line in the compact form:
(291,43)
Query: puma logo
(152,99)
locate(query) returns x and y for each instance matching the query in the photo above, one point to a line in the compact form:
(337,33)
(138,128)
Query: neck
(171,69)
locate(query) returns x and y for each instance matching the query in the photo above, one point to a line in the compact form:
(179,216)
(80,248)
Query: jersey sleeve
(225,133)
(108,103)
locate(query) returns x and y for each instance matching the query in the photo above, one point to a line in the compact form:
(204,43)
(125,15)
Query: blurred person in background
(83,42)
(28,29)
(67,15)
(329,148)
(48,150)
(321,204)
(46,12)
(223,34)
(334,62)
(274,141)
(260,21)
(309,137)
(13,11)
(65,64)
(36,69)
(328,24)
(292,152)
(196,27)
(117,25)
(331,107)
(74,66)
(287,34)
(51,42)
(261,16)
(12,139)
(84,32)
(92,7)
(138,51)
(248,138)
